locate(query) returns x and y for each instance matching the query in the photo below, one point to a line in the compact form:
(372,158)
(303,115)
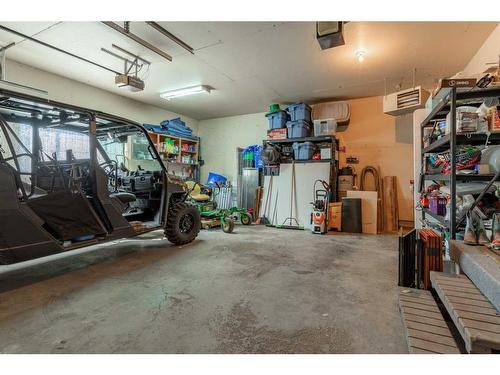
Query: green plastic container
(274,108)
(248,155)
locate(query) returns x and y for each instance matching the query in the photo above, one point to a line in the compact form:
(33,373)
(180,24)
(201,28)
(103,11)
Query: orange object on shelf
(494,120)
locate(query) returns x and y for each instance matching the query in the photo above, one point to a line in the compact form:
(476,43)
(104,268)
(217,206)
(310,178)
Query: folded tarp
(175,127)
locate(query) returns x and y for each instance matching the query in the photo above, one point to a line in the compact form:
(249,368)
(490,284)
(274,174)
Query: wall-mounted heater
(405,101)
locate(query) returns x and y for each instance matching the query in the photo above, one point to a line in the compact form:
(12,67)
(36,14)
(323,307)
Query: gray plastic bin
(303,151)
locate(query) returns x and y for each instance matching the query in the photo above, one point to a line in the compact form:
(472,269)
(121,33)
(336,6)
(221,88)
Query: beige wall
(222,136)
(371,136)
(488,53)
(72,92)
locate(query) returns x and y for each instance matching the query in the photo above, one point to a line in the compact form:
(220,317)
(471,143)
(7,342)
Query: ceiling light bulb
(361,56)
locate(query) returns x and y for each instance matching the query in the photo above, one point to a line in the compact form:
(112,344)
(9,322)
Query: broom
(291,219)
(267,207)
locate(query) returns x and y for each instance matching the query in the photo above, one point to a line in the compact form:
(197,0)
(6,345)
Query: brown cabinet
(334,216)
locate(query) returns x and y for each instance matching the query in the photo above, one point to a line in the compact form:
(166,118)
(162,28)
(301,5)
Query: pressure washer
(319,214)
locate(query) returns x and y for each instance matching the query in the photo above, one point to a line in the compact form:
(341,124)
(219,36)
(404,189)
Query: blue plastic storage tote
(299,111)
(298,129)
(214,178)
(277,120)
(303,151)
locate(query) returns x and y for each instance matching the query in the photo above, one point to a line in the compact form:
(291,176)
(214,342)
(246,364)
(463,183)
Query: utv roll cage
(49,205)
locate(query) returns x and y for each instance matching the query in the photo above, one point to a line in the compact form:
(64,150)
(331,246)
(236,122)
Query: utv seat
(124,197)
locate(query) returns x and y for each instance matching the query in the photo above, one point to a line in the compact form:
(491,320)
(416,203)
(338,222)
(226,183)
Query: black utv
(72,177)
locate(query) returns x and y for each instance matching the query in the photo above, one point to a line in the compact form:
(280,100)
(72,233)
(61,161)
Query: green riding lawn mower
(212,216)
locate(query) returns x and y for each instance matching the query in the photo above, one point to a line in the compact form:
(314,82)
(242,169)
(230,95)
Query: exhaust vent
(408,99)
(405,101)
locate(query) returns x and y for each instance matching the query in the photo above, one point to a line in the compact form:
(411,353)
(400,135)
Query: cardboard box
(494,120)
(335,216)
(483,169)
(326,153)
(277,134)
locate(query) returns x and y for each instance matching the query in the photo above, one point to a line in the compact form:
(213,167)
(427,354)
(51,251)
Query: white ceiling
(253,64)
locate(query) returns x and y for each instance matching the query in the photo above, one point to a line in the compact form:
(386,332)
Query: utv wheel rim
(186,223)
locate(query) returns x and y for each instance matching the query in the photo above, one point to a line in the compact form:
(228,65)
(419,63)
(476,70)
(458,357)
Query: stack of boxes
(295,122)
(299,125)
(277,124)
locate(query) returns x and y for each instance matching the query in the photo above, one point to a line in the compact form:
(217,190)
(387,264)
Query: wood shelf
(158,140)
(175,137)
(179,163)
(167,153)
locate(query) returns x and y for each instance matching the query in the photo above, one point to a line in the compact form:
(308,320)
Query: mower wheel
(246,219)
(183,223)
(227,225)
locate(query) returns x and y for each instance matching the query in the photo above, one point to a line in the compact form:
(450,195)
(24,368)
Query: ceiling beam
(56,49)
(171,36)
(137,39)
(7,47)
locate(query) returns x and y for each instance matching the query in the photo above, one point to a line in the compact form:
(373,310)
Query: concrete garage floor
(258,290)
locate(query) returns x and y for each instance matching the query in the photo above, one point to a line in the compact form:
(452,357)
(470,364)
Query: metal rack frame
(334,162)
(449,103)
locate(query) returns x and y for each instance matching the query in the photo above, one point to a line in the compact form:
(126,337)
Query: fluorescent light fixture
(185,91)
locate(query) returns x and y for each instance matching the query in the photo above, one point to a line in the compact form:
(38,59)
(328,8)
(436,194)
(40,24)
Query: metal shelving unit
(461,177)
(442,143)
(440,219)
(334,163)
(450,98)
(324,138)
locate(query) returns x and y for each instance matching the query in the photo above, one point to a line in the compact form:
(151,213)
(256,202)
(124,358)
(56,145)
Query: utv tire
(246,219)
(227,225)
(183,223)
